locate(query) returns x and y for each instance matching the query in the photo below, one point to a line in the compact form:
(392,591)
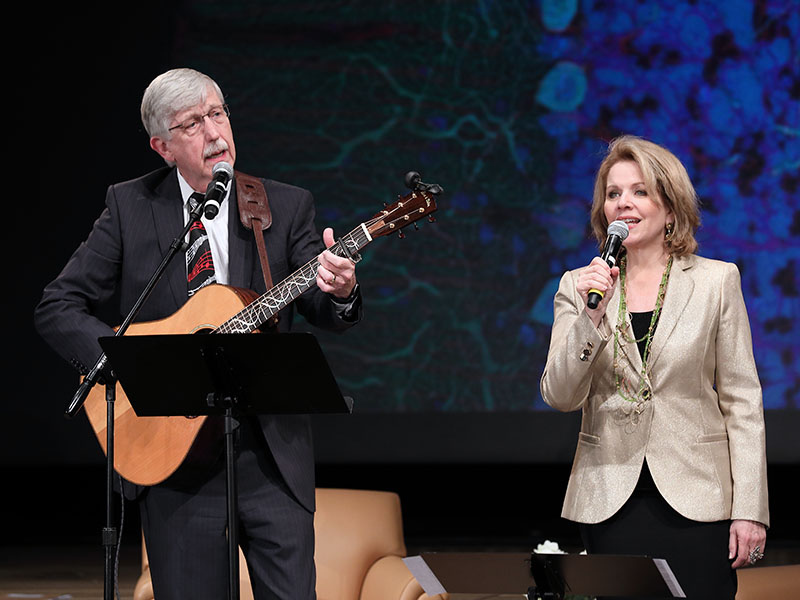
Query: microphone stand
(100,370)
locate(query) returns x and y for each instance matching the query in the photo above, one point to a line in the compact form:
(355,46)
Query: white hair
(170,93)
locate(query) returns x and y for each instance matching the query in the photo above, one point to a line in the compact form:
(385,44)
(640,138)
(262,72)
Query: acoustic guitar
(150,449)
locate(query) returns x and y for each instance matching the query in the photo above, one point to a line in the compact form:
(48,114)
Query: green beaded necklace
(643,394)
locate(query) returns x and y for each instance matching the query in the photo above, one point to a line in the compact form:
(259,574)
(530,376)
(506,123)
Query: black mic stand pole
(109,531)
(99,370)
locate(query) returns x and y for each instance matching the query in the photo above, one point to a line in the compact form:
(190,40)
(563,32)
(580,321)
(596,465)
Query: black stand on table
(465,575)
(225,374)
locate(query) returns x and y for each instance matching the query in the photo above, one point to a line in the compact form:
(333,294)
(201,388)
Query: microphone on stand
(414,182)
(616,234)
(215,192)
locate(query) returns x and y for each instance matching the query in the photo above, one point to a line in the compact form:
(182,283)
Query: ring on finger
(755,555)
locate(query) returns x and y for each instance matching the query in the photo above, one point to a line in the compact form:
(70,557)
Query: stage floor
(63,572)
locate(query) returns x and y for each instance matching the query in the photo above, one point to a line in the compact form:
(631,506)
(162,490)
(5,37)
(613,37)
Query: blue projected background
(509,106)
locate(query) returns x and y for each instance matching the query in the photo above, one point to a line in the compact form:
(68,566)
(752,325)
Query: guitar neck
(273,300)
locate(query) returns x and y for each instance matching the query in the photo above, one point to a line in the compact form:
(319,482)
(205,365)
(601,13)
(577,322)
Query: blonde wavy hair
(665,178)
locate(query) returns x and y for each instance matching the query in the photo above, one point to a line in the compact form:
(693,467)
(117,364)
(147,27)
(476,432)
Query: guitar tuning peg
(431,219)
(416,227)
(401,234)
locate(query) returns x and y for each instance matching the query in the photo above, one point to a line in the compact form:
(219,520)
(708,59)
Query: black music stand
(466,575)
(225,374)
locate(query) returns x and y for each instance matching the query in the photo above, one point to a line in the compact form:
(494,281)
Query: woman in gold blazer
(671,457)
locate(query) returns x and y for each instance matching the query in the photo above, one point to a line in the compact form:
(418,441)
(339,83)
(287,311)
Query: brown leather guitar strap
(255,214)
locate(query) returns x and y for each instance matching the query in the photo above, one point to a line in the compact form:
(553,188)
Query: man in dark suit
(184,517)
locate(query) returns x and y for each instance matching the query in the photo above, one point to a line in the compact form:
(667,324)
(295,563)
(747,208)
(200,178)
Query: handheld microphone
(616,234)
(215,192)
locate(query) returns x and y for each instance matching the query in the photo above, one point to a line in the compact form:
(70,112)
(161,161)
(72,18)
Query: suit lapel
(240,270)
(168,218)
(679,291)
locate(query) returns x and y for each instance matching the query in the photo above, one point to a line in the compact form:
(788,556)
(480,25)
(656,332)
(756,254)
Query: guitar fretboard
(273,300)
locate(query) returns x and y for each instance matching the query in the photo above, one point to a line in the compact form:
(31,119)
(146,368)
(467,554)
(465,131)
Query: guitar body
(147,450)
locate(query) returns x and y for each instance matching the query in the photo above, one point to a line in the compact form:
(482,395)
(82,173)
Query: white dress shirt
(217,229)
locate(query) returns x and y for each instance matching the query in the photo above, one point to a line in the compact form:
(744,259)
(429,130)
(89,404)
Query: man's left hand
(336,274)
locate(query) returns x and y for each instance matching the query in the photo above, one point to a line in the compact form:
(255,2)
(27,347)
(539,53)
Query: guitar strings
(275,299)
(269,303)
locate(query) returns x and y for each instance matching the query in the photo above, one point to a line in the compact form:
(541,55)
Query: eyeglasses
(196,124)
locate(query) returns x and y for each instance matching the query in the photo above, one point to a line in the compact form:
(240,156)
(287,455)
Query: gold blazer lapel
(679,291)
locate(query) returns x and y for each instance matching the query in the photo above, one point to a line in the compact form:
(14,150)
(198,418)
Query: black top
(640,322)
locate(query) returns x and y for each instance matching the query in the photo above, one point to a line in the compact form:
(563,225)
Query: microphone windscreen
(618,228)
(411,179)
(224,168)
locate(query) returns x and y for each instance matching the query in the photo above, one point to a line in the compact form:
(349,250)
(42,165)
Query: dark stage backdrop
(507,105)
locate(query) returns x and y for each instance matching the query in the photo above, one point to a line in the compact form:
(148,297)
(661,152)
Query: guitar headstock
(407,210)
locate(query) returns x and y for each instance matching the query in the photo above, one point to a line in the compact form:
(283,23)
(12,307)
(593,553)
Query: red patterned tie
(199,262)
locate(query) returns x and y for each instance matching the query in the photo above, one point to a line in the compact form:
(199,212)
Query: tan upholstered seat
(359,550)
(769,583)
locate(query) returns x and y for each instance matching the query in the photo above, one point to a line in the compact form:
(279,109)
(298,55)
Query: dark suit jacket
(106,274)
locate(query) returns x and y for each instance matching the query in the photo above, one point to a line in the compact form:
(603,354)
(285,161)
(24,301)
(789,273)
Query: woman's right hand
(597,276)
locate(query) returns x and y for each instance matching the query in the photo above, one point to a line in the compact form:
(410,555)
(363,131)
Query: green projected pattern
(508,105)
(344,102)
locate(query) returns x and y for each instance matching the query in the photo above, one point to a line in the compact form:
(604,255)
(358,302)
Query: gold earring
(670,228)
